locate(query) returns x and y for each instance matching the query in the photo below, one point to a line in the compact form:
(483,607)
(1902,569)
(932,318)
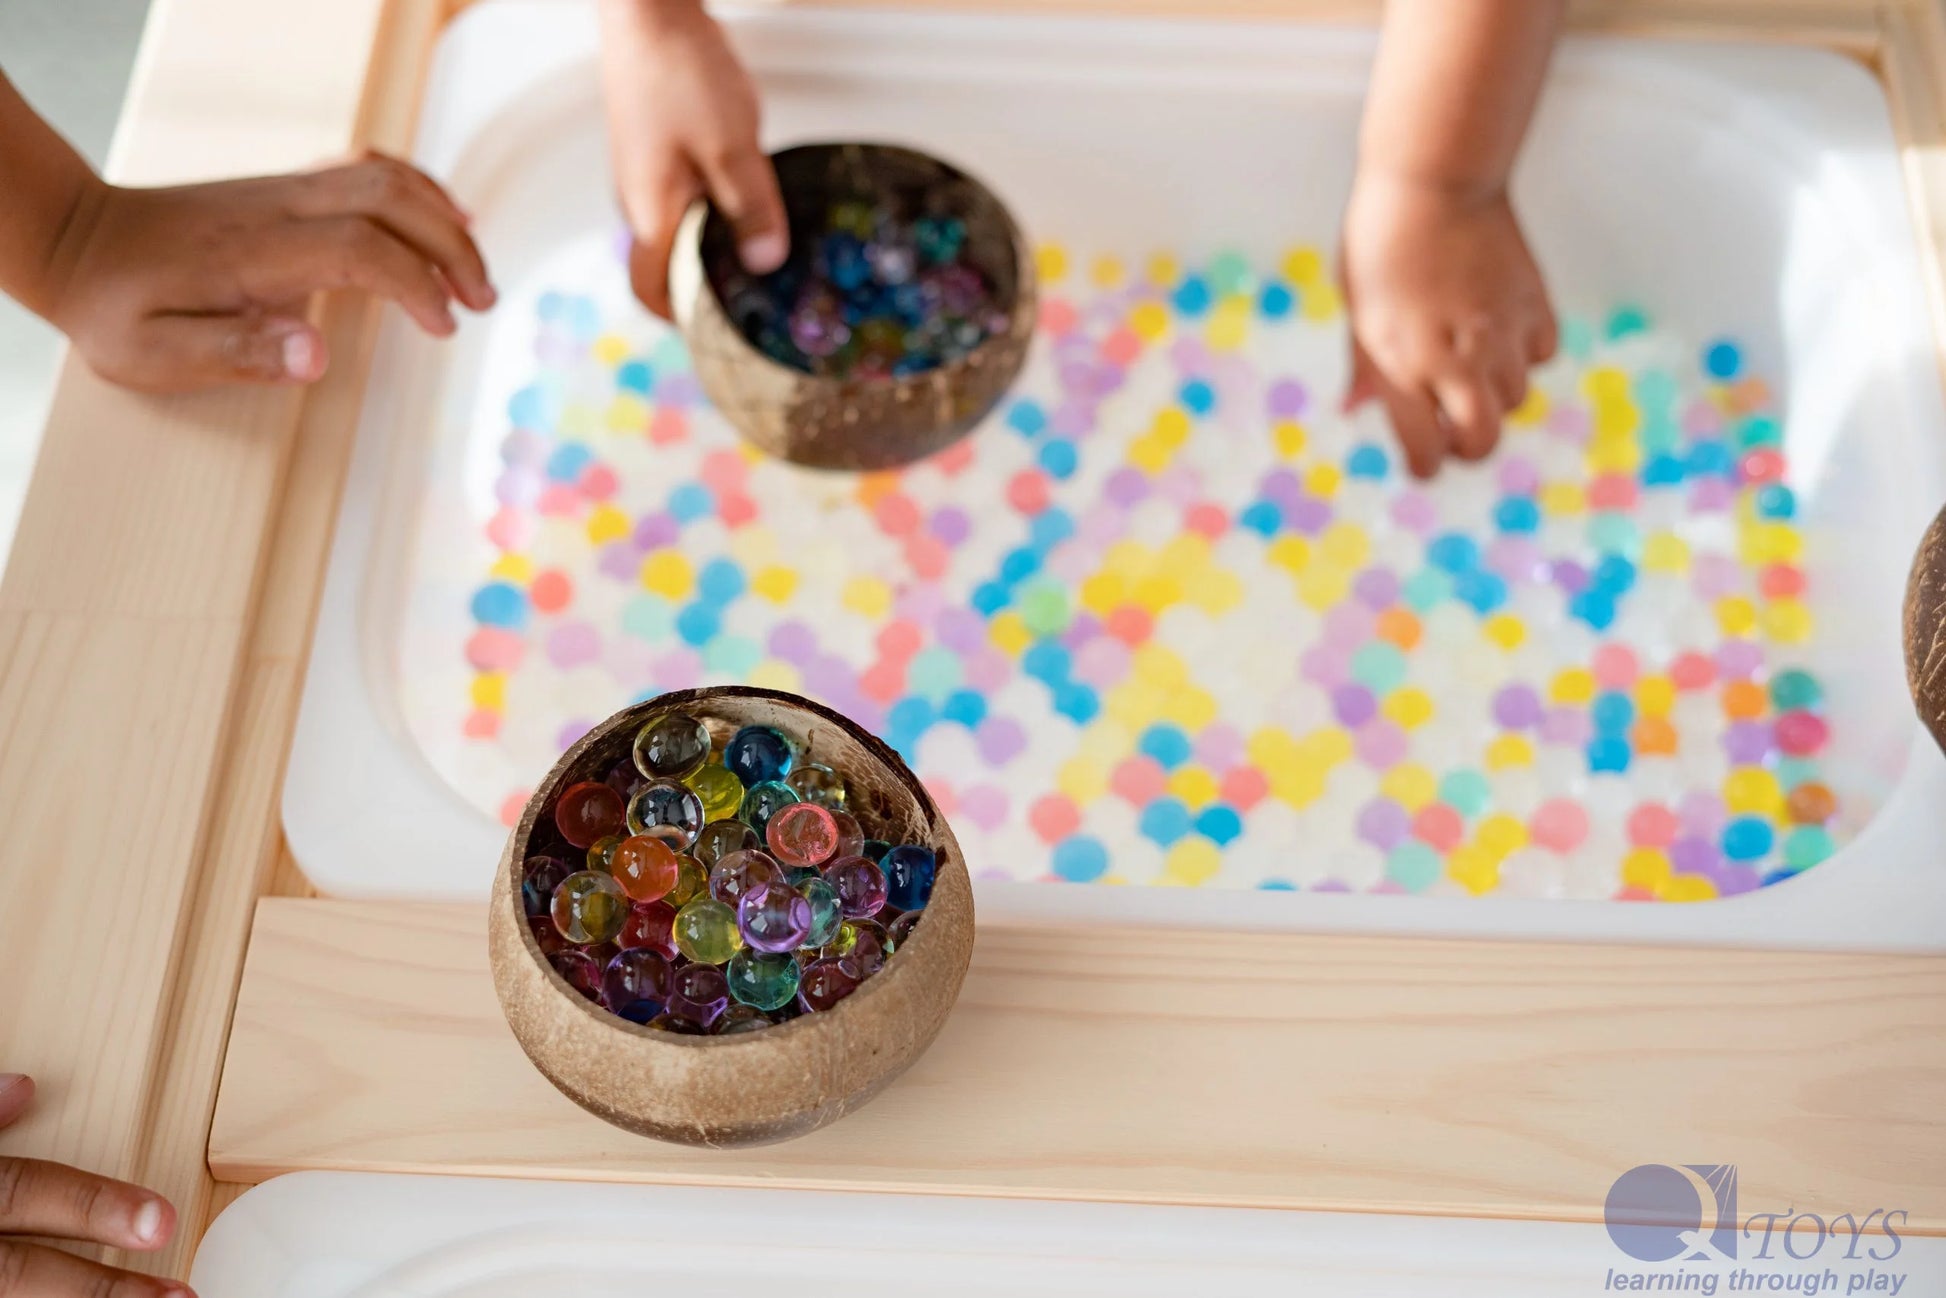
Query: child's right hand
(682,121)
(169,290)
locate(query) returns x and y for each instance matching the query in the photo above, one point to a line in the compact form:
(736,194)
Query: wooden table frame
(154,624)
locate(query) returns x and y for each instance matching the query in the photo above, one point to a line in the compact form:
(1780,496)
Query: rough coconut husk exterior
(855,423)
(757,1087)
(1925,629)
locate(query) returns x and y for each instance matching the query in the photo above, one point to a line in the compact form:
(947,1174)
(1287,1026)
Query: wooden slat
(1339,1073)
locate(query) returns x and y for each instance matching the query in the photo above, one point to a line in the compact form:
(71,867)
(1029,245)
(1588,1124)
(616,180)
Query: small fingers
(743,184)
(655,209)
(413,208)
(35,1271)
(1543,337)
(183,353)
(42,1198)
(16,1093)
(350,252)
(1471,411)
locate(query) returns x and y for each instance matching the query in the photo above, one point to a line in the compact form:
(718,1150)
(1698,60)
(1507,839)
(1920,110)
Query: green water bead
(589,908)
(706,931)
(720,790)
(1794,689)
(764,800)
(762,981)
(827,912)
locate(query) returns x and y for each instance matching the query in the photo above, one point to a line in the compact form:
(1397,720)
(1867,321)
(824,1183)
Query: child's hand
(173,289)
(1448,313)
(682,121)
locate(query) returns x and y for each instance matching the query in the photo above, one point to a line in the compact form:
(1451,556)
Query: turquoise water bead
(818,784)
(774,919)
(909,872)
(762,801)
(667,803)
(589,908)
(758,755)
(860,886)
(719,838)
(740,872)
(763,980)
(671,745)
(1795,690)
(873,850)
(822,984)
(636,984)
(827,912)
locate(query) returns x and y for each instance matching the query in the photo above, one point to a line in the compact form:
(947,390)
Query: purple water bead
(582,971)
(1381,744)
(1571,576)
(740,873)
(653,531)
(1566,726)
(1377,588)
(1353,705)
(1286,399)
(1518,476)
(1517,707)
(1702,814)
(1738,660)
(1310,515)
(1383,823)
(698,994)
(817,329)
(1747,743)
(860,885)
(774,917)
(636,984)
(870,948)
(1694,856)
(1414,511)
(1126,486)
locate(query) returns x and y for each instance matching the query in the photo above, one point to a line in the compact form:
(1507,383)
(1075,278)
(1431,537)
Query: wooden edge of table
(179,630)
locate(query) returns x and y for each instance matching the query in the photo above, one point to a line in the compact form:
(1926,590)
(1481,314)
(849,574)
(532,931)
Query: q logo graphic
(1686,1213)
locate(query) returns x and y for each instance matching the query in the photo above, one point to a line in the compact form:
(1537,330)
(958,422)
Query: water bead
(698,993)
(589,908)
(827,911)
(874,849)
(582,971)
(739,1019)
(739,872)
(1806,846)
(816,783)
(1810,803)
(546,936)
(867,951)
(587,813)
(636,984)
(774,917)
(646,868)
(909,870)
(720,791)
(671,746)
(601,854)
(822,984)
(539,877)
(692,880)
(1795,690)
(665,802)
(668,835)
(675,1023)
(1747,838)
(649,927)
(757,755)
(900,929)
(851,835)
(762,801)
(860,885)
(624,779)
(719,838)
(802,834)
(762,980)
(706,931)
(1801,733)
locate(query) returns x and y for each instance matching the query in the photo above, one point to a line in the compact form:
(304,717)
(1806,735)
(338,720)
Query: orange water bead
(1781,581)
(1653,736)
(645,867)
(551,590)
(1744,700)
(1811,804)
(1400,626)
(1130,625)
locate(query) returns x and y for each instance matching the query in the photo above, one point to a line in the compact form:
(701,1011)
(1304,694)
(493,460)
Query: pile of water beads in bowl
(712,892)
(868,291)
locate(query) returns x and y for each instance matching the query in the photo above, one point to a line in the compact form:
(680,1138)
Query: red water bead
(823,984)
(1243,787)
(1652,825)
(1057,316)
(1615,666)
(559,500)
(802,834)
(1764,464)
(1130,625)
(551,591)
(899,639)
(598,482)
(724,470)
(1634,892)
(896,514)
(927,556)
(735,508)
(587,812)
(1801,733)
(495,649)
(480,724)
(1207,520)
(1027,491)
(667,425)
(1140,780)
(1612,491)
(645,867)
(954,459)
(1781,581)
(1053,817)
(652,926)
(513,807)
(1121,347)
(1559,823)
(884,680)
(1438,826)
(1692,671)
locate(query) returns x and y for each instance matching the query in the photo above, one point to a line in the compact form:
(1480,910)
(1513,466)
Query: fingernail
(489,297)
(303,359)
(148,1221)
(10,1080)
(763,253)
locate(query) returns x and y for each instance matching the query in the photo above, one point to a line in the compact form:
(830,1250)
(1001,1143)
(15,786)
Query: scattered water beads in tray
(1170,619)
(773,908)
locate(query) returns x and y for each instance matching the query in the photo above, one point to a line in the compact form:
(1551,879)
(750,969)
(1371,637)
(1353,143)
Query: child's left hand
(1448,313)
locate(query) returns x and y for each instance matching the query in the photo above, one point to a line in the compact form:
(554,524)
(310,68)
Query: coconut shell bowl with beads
(776,1061)
(901,317)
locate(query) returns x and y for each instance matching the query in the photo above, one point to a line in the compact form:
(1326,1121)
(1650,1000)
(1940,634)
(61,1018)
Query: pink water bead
(1560,824)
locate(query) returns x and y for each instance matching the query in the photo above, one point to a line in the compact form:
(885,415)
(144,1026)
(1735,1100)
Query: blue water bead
(1595,607)
(757,754)
(1517,514)
(1613,575)
(1793,771)
(1019,565)
(1166,744)
(1050,527)
(501,604)
(1747,838)
(567,462)
(1026,417)
(1219,823)
(733,655)
(1192,296)
(720,581)
(1059,457)
(1480,590)
(964,707)
(934,672)
(1275,301)
(1663,470)
(698,624)
(1166,820)
(1368,461)
(691,501)
(1197,397)
(1612,713)
(1453,552)
(1262,517)
(1047,661)
(1077,702)
(1710,456)
(1775,500)
(1608,753)
(1080,859)
(906,720)
(634,376)
(1722,360)
(845,263)
(989,597)
(909,873)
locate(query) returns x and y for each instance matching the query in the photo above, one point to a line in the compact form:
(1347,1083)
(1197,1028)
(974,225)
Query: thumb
(185,352)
